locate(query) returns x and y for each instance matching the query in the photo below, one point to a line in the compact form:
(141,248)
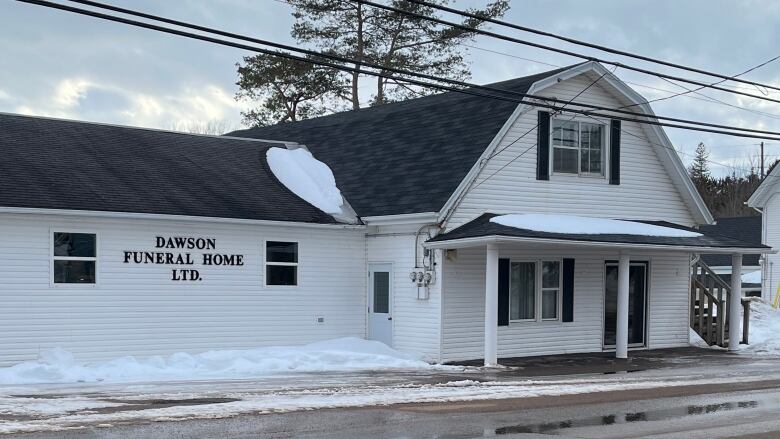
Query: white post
(491,306)
(735,302)
(621,333)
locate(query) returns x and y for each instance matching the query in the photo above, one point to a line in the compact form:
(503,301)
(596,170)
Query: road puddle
(630,417)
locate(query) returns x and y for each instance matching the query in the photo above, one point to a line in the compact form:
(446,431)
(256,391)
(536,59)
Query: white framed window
(73,258)
(281,263)
(535,290)
(578,147)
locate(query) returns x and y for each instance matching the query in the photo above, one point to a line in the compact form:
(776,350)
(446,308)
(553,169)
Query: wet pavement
(662,392)
(661,414)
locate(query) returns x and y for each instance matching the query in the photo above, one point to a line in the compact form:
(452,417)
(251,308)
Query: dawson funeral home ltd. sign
(182,254)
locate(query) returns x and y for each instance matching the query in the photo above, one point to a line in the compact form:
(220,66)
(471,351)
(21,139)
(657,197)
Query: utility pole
(762,160)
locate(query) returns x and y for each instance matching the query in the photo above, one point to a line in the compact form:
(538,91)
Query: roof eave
(500,239)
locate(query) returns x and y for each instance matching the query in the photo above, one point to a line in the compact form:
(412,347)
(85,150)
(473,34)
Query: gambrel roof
(403,157)
(415,156)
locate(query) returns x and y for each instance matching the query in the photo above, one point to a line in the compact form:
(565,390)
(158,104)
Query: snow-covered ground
(58,393)
(344,354)
(56,407)
(764,330)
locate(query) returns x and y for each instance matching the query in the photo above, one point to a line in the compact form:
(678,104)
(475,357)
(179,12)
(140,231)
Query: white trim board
(169,217)
(497,239)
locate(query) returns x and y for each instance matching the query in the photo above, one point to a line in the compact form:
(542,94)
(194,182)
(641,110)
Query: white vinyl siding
(771,232)
(464,305)
(416,322)
(136,309)
(645,191)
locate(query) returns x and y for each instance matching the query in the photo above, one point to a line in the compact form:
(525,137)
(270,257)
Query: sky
(54,63)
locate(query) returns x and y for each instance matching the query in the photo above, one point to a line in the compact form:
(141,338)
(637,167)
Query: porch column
(735,320)
(621,333)
(491,306)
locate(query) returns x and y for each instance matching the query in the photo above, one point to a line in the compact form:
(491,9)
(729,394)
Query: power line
(594,46)
(703,97)
(694,90)
(554,49)
(468,90)
(526,133)
(397,70)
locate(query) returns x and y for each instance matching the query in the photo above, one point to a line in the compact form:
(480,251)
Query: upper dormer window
(578,147)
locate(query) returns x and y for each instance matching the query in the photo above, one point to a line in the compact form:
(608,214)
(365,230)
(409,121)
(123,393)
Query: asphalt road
(738,410)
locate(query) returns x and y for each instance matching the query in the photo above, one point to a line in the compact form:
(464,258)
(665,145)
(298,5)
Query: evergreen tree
(353,30)
(700,170)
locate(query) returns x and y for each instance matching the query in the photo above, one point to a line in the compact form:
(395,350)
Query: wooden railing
(709,308)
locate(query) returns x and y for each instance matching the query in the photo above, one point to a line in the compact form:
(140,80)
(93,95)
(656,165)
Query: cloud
(86,99)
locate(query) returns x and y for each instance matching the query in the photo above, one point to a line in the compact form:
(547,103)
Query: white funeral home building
(451,226)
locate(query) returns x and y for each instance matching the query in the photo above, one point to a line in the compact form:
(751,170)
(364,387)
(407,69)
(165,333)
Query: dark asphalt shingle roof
(57,164)
(481,227)
(744,228)
(405,157)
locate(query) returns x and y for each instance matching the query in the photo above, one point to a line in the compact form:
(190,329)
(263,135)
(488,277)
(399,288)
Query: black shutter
(503,292)
(543,146)
(614,152)
(568,290)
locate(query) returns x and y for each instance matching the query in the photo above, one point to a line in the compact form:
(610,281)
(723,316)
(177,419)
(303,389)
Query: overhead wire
(494,92)
(555,49)
(599,47)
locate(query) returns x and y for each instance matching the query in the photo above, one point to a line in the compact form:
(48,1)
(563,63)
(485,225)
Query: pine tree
(353,30)
(700,170)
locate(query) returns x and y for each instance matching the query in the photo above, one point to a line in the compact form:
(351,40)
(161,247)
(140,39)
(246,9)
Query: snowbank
(344,354)
(764,334)
(753,277)
(587,226)
(310,179)
(696,340)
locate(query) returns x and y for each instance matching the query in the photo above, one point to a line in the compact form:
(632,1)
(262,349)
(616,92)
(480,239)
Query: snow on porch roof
(563,229)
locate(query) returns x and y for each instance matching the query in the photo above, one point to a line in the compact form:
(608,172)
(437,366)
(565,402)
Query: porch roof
(481,231)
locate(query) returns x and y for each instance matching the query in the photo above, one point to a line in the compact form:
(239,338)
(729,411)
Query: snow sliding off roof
(310,179)
(564,229)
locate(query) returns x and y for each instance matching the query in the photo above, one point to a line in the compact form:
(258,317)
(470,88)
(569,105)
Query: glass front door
(637,304)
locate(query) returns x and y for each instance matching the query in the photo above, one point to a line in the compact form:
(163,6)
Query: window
(522,291)
(74,257)
(281,263)
(578,147)
(551,289)
(534,290)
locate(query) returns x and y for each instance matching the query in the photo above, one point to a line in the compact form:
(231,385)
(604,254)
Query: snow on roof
(587,226)
(753,277)
(310,179)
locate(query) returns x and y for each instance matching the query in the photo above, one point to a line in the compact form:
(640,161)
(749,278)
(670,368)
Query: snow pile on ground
(696,340)
(587,226)
(310,179)
(764,336)
(344,354)
(753,277)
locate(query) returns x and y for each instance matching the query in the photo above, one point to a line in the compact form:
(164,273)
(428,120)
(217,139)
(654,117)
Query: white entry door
(380,287)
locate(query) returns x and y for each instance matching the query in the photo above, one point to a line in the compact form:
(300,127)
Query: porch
(513,292)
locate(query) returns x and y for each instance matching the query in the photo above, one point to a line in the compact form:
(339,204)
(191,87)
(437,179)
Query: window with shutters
(535,290)
(578,147)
